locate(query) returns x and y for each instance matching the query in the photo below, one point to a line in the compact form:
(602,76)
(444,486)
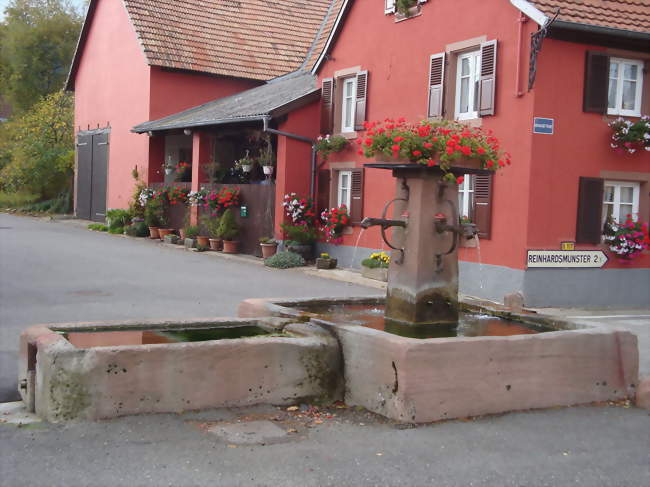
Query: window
(344,189)
(466,197)
(348,104)
(624,89)
(620,199)
(468,69)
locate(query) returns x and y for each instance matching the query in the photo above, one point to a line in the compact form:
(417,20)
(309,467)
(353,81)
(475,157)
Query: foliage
(60,204)
(301,233)
(247,160)
(226,197)
(328,144)
(98,227)
(284,260)
(377,259)
(116,230)
(334,221)
(403,6)
(154,213)
(630,137)
(192,231)
(212,225)
(214,172)
(38,42)
(137,229)
(118,218)
(299,210)
(627,240)
(18,199)
(136,206)
(325,255)
(266,155)
(228,226)
(197,198)
(177,195)
(432,143)
(39,149)
(267,240)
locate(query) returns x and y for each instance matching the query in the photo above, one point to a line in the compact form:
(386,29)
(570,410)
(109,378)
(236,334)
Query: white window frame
(618,110)
(616,204)
(474,76)
(352,81)
(466,196)
(340,188)
(389,6)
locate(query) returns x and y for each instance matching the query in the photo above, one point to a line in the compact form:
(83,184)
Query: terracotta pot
(230,246)
(164,231)
(202,241)
(153,232)
(181,233)
(268,249)
(216,244)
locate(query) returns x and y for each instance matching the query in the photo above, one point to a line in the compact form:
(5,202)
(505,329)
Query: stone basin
(97,379)
(424,380)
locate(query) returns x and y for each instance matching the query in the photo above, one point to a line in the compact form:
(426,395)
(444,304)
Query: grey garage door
(92,175)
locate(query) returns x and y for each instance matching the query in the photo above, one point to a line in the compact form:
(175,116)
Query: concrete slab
(249,433)
(16,413)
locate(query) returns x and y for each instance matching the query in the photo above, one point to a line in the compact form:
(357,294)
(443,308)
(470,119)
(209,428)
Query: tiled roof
(255,39)
(271,99)
(632,15)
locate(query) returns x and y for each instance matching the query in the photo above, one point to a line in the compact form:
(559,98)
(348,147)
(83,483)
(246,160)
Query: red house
(545,76)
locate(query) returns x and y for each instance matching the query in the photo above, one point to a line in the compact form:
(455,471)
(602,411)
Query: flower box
(378,274)
(322,263)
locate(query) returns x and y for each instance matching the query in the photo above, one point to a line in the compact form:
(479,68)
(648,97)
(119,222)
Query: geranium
(630,137)
(334,221)
(627,240)
(433,143)
(177,195)
(299,210)
(145,195)
(197,198)
(181,167)
(226,197)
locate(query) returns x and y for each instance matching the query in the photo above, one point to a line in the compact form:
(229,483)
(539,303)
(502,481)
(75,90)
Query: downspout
(520,40)
(307,140)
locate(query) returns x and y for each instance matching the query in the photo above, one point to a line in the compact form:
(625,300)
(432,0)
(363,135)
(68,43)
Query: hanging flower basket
(268,170)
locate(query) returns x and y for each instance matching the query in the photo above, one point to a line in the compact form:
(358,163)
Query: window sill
(413,11)
(471,122)
(615,113)
(348,135)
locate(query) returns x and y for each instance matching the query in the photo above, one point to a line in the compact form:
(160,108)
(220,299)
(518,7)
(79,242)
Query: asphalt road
(53,272)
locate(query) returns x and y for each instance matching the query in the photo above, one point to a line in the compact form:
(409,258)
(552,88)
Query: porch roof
(273,99)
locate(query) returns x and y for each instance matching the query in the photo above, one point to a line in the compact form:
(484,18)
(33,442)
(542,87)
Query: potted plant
(229,231)
(325,261)
(334,221)
(330,143)
(266,157)
(246,163)
(153,216)
(191,233)
(212,226)
(169,166)
(300,239)
(376,266)
(269,247)
(627,240)
(630,136)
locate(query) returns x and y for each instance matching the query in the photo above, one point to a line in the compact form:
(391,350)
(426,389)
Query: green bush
(300,234)
(228,226)
(212,225)
(118,219)
(98,227)
(371,263)
(116,230)
(19,199)
(60,204)
(154,213)
(285,260)
(137,229)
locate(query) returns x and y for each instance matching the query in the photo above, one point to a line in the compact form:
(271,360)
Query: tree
(38,39)
(40,147)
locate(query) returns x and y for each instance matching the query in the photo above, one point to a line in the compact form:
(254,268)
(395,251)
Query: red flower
(466,150)
(417,153)
(450,150)
(399,138)
(480,150)
(459,180)
(368,142)
(395,148)
(427,145)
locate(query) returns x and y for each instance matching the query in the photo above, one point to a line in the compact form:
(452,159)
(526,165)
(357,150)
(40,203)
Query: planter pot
(164,231)
(216,244)
(230,247)
(202,241)
(246,168)
(460,163)
(189,243)
(153,232)
(169,171)
(378,274)
(326,263)
(268,250)
(268,170)
(170,238)
(305,251)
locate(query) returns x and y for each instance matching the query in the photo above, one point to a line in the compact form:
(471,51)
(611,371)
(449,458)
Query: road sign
(582,259)
(543,125)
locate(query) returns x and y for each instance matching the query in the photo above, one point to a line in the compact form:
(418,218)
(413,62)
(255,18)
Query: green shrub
(192,231)
(60,204)
(228,226)
(371,263)
(137,229)
(118,218)
(154,213)
(212,225)
(18,199)
(116,230)
(98,227)
(300,234)
(285,260)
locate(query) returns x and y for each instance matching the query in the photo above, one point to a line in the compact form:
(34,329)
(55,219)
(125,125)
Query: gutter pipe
(307,140)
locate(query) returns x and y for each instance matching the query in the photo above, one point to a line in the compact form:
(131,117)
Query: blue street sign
(543,125)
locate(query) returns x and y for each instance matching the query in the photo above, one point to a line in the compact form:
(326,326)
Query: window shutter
(323,195)
(483,204)
(436,83)
(389,7)
(356,196)
(596,82)
(487,81)
(362,92)
(590,201)
(327,106)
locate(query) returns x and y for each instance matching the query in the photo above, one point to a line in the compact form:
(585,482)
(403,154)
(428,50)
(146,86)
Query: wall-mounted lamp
(187,132)
(150,133)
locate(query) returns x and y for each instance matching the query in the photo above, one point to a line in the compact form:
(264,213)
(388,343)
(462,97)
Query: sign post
(581,259)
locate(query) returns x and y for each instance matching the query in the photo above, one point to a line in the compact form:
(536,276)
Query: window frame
(616,203)
(466,197)
(475,75)
(340,188)
(348,81)
(638,95)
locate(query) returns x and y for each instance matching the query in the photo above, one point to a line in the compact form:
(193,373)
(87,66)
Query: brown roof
(253,39)
(632,15)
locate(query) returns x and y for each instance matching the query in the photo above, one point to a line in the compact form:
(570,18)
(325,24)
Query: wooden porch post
(200,155)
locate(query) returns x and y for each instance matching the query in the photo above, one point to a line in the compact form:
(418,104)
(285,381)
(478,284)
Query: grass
(16,200)
(98,227)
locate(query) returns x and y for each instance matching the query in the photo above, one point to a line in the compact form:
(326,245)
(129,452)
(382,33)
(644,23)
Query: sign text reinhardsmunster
(566,258)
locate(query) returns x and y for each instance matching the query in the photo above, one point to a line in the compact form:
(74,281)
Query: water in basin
(372,316)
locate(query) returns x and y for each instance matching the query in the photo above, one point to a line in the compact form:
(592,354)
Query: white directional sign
(566,258)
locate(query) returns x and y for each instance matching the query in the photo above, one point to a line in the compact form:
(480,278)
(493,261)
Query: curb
(643,393)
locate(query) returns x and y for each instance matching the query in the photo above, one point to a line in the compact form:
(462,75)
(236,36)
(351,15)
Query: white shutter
(389,7)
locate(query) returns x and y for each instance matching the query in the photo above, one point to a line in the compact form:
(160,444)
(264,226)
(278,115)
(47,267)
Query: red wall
(112,88)
(397,56)
(579,147)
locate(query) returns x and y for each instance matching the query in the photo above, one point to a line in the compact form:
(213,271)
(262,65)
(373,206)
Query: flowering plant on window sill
(627,240)
(630,137)
(330,143)
(432,143)
(334,221)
